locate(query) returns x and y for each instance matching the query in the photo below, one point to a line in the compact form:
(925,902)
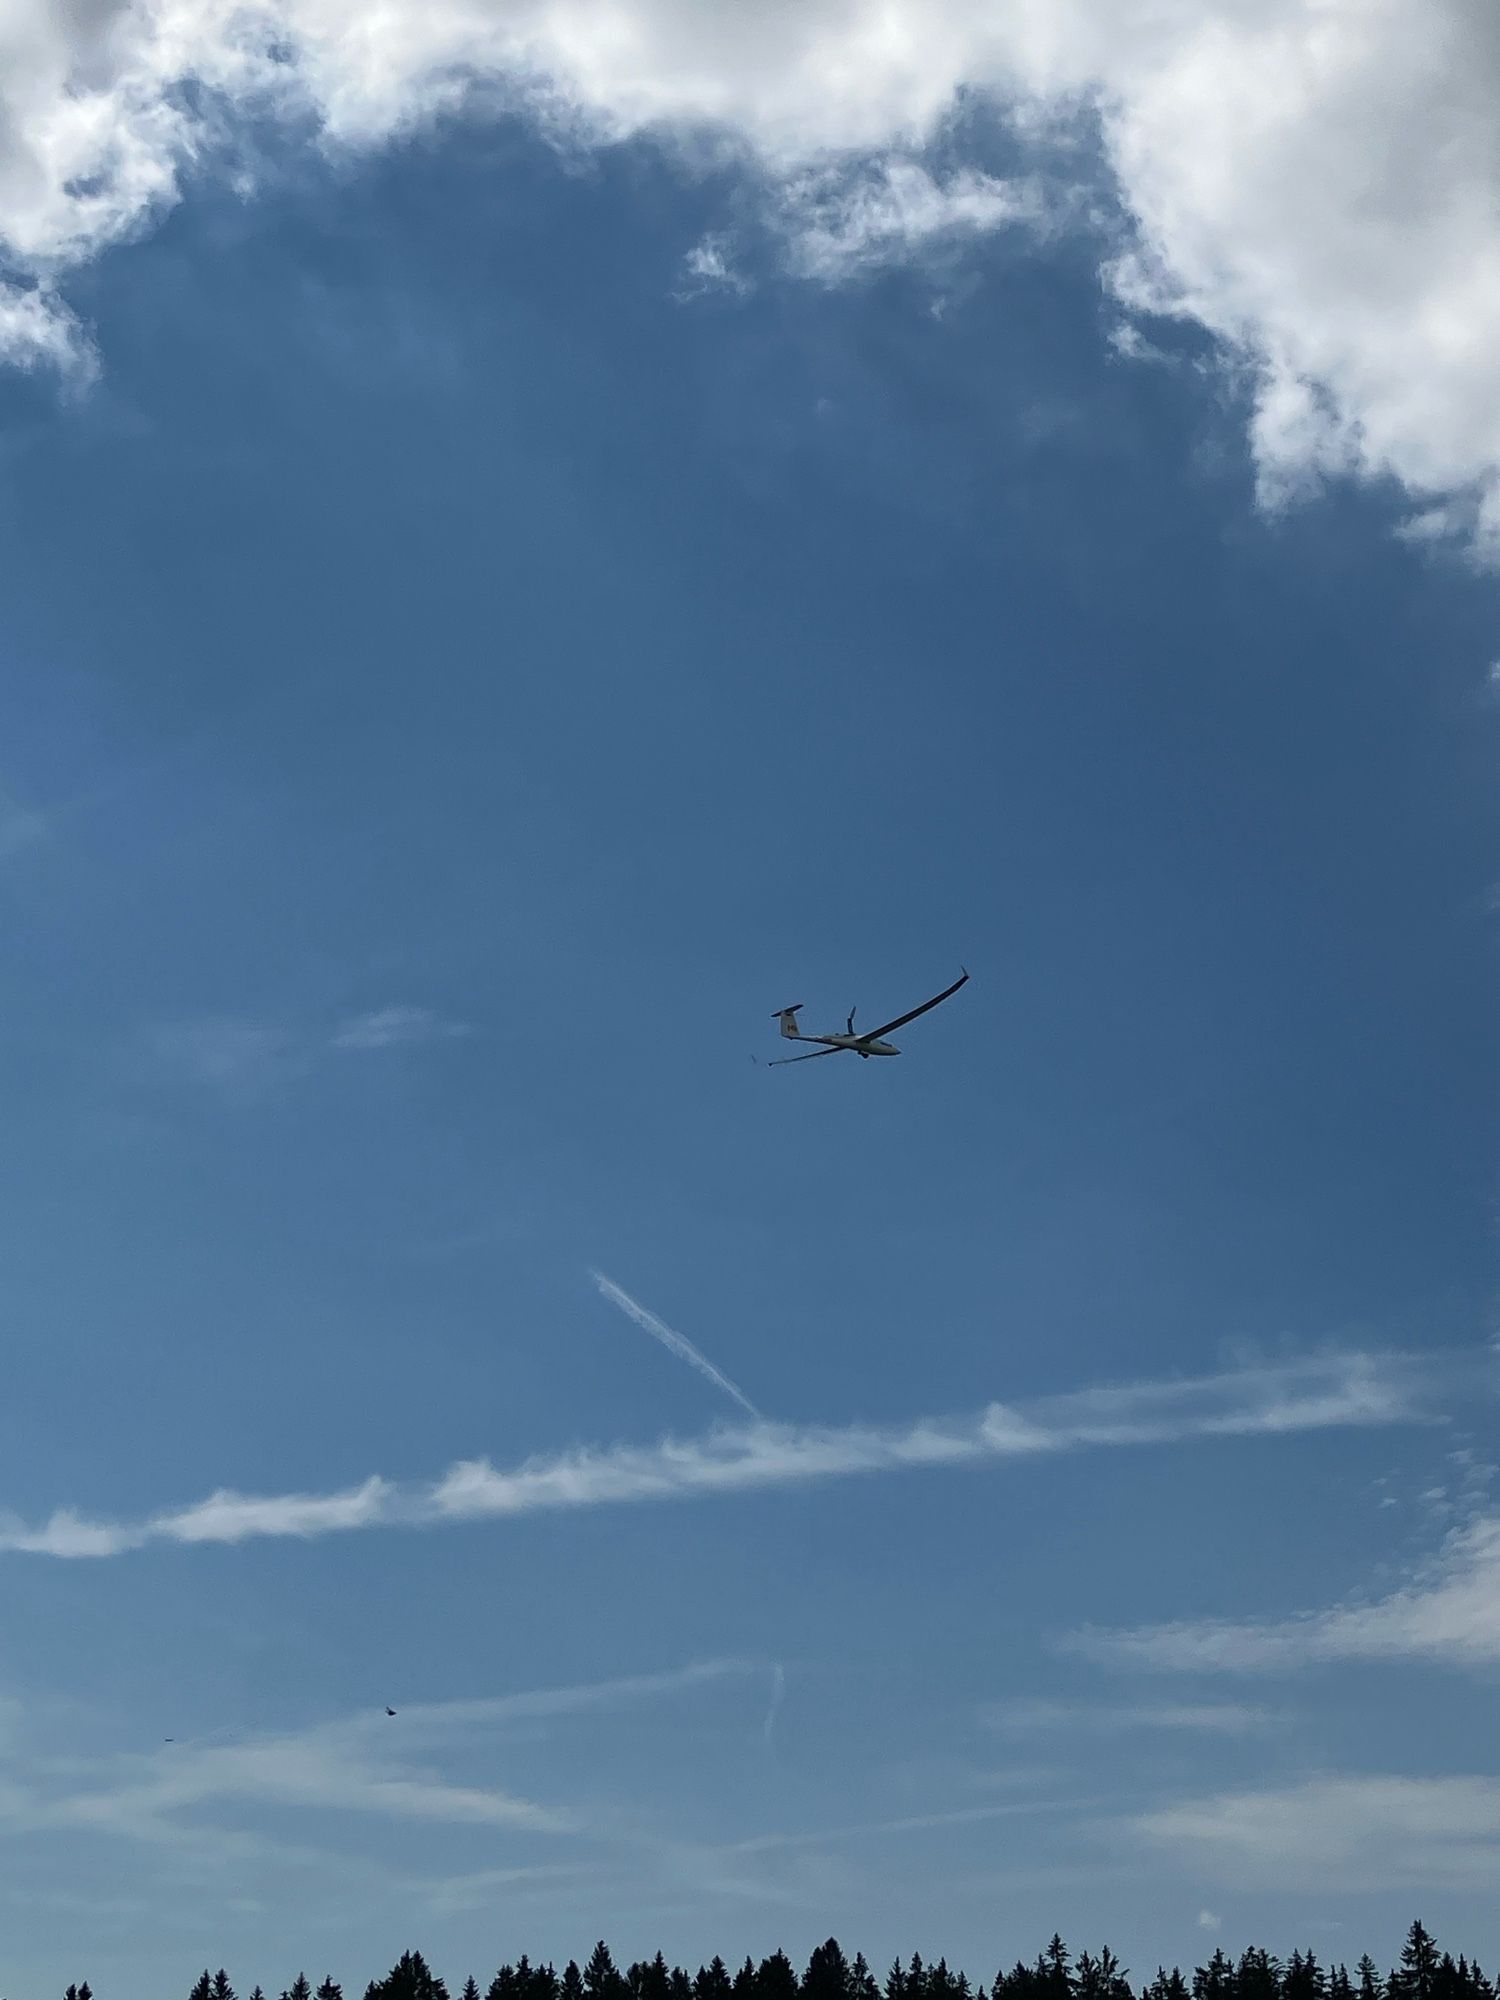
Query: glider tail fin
(787,1016)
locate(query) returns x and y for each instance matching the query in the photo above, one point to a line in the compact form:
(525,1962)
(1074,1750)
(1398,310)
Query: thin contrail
(675,1343)
(778,1689)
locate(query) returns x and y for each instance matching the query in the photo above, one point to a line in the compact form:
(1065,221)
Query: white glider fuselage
(871,1044)
(855,1042)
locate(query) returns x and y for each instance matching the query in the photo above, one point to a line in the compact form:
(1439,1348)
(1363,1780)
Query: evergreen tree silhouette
(330,1990)
(743,1987)
(940,1982)
(1339,1984)
(601,1976)
(1218,1980)
(410,1978)
(1371,1985)
(471,1989)
(1258,1976)
(680,1985)
(895,1981)
(1054,1977)
(861,1980)
(712,1982)
(203,1988)
(298,1990)
(1303,1978)
(1418,1976)
(572,1981)
(827,1976)
(650,1981)
(775,1979)
(1167,1985)
(221,1988)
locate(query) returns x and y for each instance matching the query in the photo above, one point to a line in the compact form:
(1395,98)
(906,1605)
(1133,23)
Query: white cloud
(1028,1717)
(389,1027)
(38,331)
(1449,1614)
(243,1060)
(1313,181)
(1324,1393)
(708,268)
(1340,1833)
(837,225)
(1207,1921)
(673,1342)
(762,1843)
(367,1764)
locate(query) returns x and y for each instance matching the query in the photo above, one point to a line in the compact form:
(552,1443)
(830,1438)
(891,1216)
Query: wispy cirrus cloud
(364,1764)
(1449,1613)
(1025,1717)
(244,1060)
(1324,1393)
(1349,1833)
(674,1342)
(391,1027)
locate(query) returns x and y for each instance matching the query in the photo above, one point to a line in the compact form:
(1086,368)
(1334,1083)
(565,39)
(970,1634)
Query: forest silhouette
(1424,1973)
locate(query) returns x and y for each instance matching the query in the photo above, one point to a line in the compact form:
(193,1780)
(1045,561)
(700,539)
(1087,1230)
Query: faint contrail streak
(675,1343)
(778,1689)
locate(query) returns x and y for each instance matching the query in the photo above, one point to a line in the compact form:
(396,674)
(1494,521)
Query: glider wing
(926,1007)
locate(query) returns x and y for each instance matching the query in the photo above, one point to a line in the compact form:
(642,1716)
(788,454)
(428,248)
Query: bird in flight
(390,1711)
(871,1043)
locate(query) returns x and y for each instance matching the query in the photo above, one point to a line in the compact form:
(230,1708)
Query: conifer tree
(655,1981)
(601,1977)
(744,1982)
(299,1989)
(775,1978)
(1217,1980)
(470,1989)
(203,1989)
(1167,1985)
(572,1981)
(827,1974)
(221,1989)
(410,1978)
(862,1984)
(712,1982)
(1371,1985)
(1054,1973)
(1418,1976)
(1258,1976)
(330,1990)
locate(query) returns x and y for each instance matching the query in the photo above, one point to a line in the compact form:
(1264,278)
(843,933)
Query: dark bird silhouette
(390,1711)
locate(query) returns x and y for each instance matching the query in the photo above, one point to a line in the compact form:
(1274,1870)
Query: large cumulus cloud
(1315,182)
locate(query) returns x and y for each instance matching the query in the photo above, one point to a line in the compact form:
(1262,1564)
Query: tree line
(1424,1973)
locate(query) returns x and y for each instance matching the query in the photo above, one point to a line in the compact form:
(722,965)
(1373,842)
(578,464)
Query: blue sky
(488,612)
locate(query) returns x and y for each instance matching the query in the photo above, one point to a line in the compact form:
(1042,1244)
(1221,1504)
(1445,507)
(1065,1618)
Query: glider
(870,1044)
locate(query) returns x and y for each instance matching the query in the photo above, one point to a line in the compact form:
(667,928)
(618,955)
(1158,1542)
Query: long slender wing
(874,1034)
(782,1061)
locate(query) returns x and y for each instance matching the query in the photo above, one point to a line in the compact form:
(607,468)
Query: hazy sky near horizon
(529,541)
